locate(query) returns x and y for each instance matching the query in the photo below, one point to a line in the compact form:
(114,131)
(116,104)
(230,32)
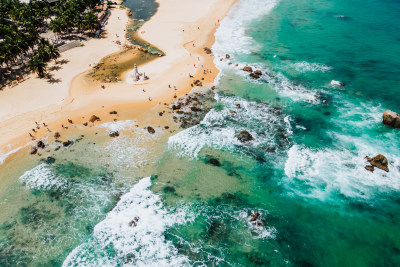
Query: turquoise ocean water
(303,172)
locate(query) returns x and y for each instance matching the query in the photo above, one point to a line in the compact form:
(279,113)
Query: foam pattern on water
(42,178)
(235,25)
(220,128)
(117,241)
(310,67)
(324,173)
(119,125)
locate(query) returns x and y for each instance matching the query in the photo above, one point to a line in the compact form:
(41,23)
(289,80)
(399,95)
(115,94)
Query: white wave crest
(235,24)
(132,234)
(328,171)
(310,67)
(119,125)
(219,128)
(42,178)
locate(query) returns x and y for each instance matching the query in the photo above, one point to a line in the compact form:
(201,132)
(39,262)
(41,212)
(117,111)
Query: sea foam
(132,234)
(219,128)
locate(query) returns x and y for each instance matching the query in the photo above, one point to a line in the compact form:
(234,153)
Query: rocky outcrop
(391,118)
(369,168)
(244,136)
(379,161)
(33,150)
(41,144)
(207,50)
(94,118)
(257,219)
(258,72)
(248,69)
(196,109)
(114,134)
(134,222)
(67,143)
(198,83)
(151,130)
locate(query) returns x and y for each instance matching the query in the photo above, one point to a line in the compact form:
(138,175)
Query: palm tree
(37,65)
(91,21)
(52,51)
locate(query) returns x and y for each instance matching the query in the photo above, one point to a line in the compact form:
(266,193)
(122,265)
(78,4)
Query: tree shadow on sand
(54,68)
(63,61)
(50,79)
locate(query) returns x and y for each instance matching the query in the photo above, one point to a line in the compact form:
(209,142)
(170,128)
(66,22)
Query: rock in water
(114,134)
(196,109)
(254,75)
(379,161)
(41,145)
(151,130)
(369,168)
(67,143)
(94,118)
(33,150)
(214,162)
(244,136)
(248,69)
(391,118)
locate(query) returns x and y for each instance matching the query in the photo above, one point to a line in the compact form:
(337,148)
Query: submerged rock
(214,161)
(379,162)
(391,118)
(244,136)
(151,130)
(49,160)
(94,118)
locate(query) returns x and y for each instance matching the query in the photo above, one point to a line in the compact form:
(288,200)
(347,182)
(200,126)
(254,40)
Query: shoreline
(86,98)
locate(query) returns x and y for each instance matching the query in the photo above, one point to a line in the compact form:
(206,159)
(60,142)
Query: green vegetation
(21,25)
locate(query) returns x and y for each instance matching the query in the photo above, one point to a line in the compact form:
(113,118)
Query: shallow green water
(303,171)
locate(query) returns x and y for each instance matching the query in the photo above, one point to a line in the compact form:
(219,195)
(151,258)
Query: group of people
(35,130)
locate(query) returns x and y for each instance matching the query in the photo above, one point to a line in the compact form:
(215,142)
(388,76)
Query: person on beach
(149,98)
(143,90)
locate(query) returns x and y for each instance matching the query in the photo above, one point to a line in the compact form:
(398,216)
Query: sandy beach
(181,29)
